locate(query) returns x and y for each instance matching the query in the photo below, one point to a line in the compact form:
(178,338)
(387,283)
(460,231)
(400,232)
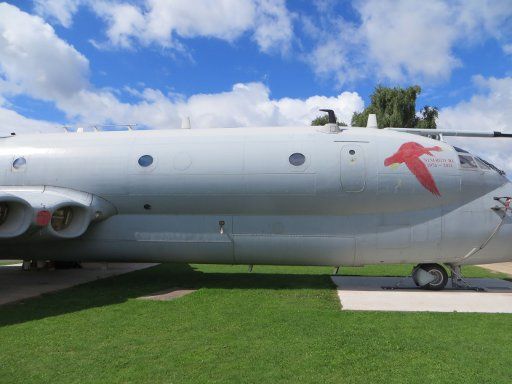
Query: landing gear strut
(430,276)
(458,281)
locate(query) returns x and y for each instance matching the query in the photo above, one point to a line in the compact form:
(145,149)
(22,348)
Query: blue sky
(249,62)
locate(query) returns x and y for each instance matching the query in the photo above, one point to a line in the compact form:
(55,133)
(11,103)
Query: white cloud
(411,38)
(338,52)
(273,25)
(404,40)
(161,22)
(33,60)
(11,121)
(165,23)
(223,19)
(60,11)
(507,49)
(124,20)
(491,110)
(244,105)
(478,19)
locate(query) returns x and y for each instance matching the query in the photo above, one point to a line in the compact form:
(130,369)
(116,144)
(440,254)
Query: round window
(145,160)
(297,159)
(352,152)
(20,162)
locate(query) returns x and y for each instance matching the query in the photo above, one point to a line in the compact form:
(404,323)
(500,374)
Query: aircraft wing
(448,132)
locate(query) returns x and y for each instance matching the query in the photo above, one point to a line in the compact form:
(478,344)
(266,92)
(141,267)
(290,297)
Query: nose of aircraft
(504,231)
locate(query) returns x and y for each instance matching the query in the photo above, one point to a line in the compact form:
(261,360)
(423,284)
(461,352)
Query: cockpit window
(460,149)
(482,164)
(491,166)
(467,162)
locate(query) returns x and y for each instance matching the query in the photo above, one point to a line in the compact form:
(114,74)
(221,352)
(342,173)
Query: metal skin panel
(232,196)
(353,168)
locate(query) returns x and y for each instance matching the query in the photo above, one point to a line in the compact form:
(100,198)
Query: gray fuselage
(359,196)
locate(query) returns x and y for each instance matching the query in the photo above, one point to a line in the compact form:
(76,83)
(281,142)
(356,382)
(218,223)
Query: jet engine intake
(44,213)
(69,220)
(15,216)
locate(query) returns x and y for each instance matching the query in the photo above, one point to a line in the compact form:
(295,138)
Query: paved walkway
(16,284)
(366,294)
(499,267)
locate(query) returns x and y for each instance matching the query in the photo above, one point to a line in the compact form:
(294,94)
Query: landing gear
(430,276)
(458,281)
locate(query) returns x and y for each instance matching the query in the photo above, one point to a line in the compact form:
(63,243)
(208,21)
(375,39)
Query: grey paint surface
(232,196)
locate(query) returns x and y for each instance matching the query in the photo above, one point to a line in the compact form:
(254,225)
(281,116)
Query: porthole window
(352,152)
(19,163)
(145,160)
(297,159)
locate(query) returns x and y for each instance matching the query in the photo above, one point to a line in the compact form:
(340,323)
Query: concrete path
(168,294)
(16,284)
(366,294)
(499,267)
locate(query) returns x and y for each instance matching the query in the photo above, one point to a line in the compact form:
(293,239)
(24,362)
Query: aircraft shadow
(118,289)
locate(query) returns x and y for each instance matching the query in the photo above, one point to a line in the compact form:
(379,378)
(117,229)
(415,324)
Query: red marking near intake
(409,153)
(43,218)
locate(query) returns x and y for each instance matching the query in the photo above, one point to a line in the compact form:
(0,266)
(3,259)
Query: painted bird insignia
(409,153)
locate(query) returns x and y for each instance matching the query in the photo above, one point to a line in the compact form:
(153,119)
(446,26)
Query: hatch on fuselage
(353,168)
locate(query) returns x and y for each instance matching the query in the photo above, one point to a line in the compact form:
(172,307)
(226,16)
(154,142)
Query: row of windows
(296,159)
(144,161)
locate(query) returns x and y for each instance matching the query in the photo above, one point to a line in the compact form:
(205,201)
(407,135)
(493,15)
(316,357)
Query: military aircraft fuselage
(294,196)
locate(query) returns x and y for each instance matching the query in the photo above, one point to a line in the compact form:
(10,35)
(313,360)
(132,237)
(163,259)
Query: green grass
(8,262)
(276,325)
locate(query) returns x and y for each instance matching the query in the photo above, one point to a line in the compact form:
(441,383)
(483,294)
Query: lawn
(274,325)
(7,262)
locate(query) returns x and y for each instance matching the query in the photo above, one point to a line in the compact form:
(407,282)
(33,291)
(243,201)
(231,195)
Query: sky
(239,63)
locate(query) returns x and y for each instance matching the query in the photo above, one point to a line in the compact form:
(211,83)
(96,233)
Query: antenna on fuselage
(185,123)
(372,121)
(332,125)
(332,115)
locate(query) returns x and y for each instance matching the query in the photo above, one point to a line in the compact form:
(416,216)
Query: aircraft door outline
(352,168)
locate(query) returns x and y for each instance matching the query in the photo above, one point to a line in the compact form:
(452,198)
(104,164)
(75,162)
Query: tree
(428,117)
(324,119)
(396,107)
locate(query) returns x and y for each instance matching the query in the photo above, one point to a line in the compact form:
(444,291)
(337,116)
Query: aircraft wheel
(438,272)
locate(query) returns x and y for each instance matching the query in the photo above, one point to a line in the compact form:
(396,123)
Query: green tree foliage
(428,117)
(396,107)
(324,119)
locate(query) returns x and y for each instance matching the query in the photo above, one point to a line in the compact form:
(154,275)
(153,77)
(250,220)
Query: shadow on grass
(118,289)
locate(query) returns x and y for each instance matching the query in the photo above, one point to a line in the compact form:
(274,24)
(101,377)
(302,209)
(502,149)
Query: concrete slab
(499,267)
(167,295)
(366,294)
(16,285)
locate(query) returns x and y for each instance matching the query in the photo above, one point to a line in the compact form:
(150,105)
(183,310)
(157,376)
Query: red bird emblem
(409,153)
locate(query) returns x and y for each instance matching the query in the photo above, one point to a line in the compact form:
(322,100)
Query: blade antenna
(332,115)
